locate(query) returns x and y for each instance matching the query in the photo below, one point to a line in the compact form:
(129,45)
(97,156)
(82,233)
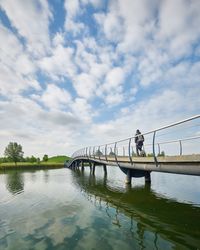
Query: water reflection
(15,182)
(177,222)
(46,175)
(33,176)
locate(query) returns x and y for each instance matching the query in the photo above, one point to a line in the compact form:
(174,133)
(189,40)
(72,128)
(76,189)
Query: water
(62,209)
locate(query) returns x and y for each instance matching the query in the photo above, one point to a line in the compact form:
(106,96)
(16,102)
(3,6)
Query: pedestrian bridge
(174,148)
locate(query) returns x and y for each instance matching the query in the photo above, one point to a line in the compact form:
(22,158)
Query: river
(65,209)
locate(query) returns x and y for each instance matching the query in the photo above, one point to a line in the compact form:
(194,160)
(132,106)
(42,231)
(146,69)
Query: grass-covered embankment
(53,162)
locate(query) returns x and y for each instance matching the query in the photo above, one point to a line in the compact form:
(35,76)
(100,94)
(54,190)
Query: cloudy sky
(81,72)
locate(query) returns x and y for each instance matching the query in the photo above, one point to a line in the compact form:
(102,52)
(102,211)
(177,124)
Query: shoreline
(20,166)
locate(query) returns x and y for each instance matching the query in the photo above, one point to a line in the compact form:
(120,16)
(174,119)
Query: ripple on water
(5,229)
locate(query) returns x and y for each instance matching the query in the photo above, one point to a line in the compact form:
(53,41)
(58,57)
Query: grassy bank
(58,159)
(53,162)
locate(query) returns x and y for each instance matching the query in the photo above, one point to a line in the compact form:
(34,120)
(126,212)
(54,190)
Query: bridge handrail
(85,151)
(155,130)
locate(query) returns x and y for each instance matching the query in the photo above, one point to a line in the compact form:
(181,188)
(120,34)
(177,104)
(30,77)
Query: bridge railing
(172,139)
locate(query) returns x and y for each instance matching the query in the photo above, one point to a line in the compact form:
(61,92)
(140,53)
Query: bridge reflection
(176,222)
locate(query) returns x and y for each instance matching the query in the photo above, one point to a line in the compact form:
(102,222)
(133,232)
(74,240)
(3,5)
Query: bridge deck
(186,164)
(190,159)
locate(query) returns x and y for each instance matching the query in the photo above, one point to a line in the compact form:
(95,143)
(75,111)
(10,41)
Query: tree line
(14,153)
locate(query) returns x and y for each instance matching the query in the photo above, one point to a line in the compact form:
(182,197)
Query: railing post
(123,151)
(99,153)
(87,152)
(116,153)
(154,152)
(106,152)
(181,149)
(129,151)
(93,152)
(158,148)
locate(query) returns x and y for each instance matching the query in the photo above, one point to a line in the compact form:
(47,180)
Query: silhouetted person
(139,139)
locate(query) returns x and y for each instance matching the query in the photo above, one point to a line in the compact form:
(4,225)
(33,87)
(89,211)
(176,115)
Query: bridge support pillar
(93,168)
(105,169)
(82,166)
(90,164)
(147,176)
(128,177)
(76,165)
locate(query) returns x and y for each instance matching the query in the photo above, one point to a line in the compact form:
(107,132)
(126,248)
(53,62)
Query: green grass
(55,161)
(58,159)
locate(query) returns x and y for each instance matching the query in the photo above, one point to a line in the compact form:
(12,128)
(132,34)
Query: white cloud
(58,39)
(72,8)
(161,109)
(180,30)
(112,89)
(112,26)
(31,19)
(17,69)
(59,64)
(83,110)
(85,85)
(83,58)
(138,18)
(114,99)
(140,55)
(55,98)
(114,79)
(40,129)
(95,3)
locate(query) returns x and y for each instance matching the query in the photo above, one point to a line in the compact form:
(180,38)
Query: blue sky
(81,72)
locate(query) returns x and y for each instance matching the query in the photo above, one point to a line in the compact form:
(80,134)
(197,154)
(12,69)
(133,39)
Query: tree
(45,158)
(98,153)
(111,154)
(14,152)
(162,153)
(33,159)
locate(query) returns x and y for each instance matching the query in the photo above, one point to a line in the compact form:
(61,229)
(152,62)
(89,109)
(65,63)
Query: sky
(75,73)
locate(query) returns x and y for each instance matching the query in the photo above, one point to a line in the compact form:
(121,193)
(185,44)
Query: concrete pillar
(128,177)
(82,166)
(90,164)
(104,180)
(105,169)
(93,169)
(147,176)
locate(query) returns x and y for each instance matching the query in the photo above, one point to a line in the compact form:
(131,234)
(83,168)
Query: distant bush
(134,154)
(111,154)
(162,153)
(150,155)
(3,159)
(45,158)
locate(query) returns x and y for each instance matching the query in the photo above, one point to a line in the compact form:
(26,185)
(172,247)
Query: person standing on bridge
(139,139)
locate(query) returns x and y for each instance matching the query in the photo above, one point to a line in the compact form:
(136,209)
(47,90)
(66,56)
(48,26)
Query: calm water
(62,209)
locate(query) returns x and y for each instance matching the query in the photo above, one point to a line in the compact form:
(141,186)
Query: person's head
(137,131)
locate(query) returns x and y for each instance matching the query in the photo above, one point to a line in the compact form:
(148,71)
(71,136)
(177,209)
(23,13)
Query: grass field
(53,162)
(59,159)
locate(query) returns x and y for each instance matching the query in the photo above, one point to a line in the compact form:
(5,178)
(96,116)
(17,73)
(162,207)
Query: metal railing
(115,151)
